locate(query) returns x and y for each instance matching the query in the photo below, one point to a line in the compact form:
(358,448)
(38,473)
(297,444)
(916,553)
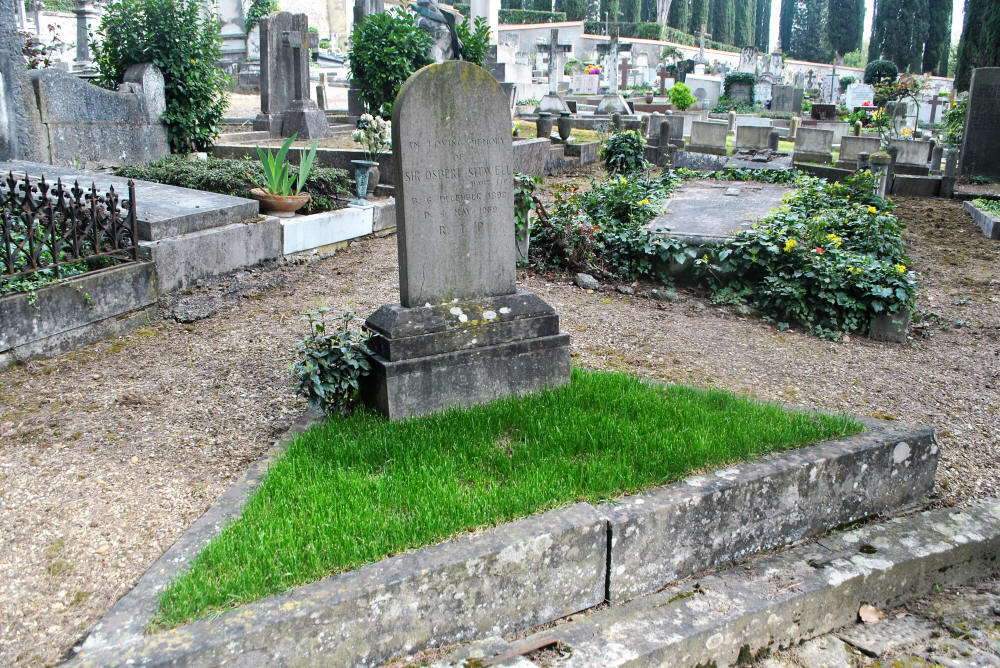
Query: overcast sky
(956,20)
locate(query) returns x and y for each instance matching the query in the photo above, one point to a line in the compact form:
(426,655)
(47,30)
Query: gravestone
(552,102)
(786,99)
(913,156)
(708,137)
(824,112)
(741,92)
(613,102)
(674,125)
(859,93)
(13,120)
(285,105)
(752,137)
(813,145)
(585,84)
(851,147)
(462,333)
(762,91)
(981,141)
(748,60)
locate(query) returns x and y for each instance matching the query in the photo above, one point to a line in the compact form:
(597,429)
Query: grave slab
(813,145)
(887,635)
(700,212)
(708,137)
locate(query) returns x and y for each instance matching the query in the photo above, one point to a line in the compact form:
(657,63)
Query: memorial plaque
(981,141)
(454,176)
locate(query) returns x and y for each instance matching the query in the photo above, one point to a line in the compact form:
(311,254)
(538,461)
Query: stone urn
(283,206)
(362,175)
(649,98)
(544,125)
(565,125)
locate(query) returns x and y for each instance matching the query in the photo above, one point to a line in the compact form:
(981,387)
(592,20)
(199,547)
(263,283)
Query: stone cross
(624,67)
(935,103)
(555,60)
(661,72)
(613,68)
(701,43)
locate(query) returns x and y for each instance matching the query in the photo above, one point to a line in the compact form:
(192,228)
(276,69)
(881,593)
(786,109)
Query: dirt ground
(107,454)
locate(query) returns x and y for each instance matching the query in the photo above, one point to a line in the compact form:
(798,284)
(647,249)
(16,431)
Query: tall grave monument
(613,102)
(462,333)
(552,102)
(981,141)
(13,112)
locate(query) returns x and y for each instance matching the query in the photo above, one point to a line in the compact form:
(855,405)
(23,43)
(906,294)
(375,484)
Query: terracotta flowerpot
(283,206)
(649,98)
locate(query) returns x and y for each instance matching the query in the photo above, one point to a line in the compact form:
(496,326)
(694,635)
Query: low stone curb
(528,572)
(988,223)
(730,617)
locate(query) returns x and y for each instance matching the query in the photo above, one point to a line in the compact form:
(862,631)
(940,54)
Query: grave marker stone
(851,147)
(708,137)
(981,141)
(786,99)
(552,102)
(463,334)
(752,137)
(859,93)
(813,145)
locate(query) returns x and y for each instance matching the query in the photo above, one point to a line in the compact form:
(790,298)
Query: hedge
(530,16)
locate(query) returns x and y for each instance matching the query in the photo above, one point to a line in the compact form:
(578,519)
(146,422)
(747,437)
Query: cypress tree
(980,43)
(938,39)
(787,16)
(680,14)
(810,39)
(898,33)
(698,16)
(631,10)
(762,30)
(745,22)
(845,23)
(723,20)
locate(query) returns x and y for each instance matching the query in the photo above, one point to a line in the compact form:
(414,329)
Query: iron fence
(47,227)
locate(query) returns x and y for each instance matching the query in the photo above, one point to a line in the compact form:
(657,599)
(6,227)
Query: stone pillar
(86,17)
(39,6)
(732,121)
(880,164)
(793,128)
(936,154)
(950,169)
(490,10)
(857,128)
(864,162)
(890,172)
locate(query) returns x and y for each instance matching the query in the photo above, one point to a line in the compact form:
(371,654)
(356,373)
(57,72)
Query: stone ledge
(988,223)
(496,582)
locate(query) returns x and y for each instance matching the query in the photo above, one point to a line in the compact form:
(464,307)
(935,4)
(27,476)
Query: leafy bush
(726,103)
(331,362)
(991,205)
(748,78)
(624,152)
(259,9)
(846,81)
(878,71)
(680,96)
(181,39)
(649,31)
(525,186)
(37,54)
(829,259)
(475,41)
(236,177)
(954,120)
(530,16)
(386,49)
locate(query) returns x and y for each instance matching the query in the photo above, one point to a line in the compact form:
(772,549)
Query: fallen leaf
(869,614)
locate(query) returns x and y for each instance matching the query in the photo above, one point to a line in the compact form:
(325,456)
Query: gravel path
(108,453)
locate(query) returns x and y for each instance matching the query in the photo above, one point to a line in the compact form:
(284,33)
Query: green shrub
(259,9)
(726,103)
(990,205)
(846,81)
(954,120)
(525,186)
(386,49)
(680,96)
(624,152)
(475,40)
(530,16)
(649,31)
(331,362)
(829,259)
(324,44)
(878,71)
(183,41)
(236,177)
(748,78)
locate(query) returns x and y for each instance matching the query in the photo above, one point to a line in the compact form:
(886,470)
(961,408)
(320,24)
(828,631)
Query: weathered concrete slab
(777,601)
(707,521)
(162,211)
(699,211)
(888,635)
(492,583)
(988,223)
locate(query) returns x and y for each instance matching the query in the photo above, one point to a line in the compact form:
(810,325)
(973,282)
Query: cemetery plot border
(988,221)
(564,552)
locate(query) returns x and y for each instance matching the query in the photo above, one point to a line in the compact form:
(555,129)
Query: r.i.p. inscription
(454,178)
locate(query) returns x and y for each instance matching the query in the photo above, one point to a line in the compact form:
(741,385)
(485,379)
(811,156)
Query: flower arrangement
(374,133)
(592,69)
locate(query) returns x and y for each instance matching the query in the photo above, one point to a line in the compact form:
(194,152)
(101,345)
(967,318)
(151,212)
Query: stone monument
(463,333)
(13,121)
(981,141)
(613,102)
(285,105)
(552,102)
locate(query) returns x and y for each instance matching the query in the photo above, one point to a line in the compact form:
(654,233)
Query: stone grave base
(612,104)
(306,120)
(705,148)
(461,353)
(809,156)
(552,104)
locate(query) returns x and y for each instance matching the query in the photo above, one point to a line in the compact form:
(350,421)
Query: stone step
(341,129)
(241,137)
(736,615)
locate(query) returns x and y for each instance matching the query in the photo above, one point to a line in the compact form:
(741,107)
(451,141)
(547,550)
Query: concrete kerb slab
(988,223)
(513,577)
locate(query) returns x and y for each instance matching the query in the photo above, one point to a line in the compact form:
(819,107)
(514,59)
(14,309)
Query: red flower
(819,250)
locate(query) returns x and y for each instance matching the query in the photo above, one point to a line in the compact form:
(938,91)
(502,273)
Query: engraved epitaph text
(454,175)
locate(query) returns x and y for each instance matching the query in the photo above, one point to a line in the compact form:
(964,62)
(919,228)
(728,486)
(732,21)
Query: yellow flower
(623,180)
(872,209)
(643,201)
(790,244)
(901,268)
(835,240)
(817,218)
(854,270)
(848,197)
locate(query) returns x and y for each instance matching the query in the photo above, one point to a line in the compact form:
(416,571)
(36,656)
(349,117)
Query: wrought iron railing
(47,227)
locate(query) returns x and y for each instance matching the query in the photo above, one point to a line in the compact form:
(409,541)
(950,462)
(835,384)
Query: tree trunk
(662,9)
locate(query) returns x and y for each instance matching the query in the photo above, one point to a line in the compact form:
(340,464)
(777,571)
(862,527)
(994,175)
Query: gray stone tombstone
(12,109)
(851,147)
(741,92)
(813,145)
(462,334)
(285,105)
(752,137)
(708,137)
(981,141)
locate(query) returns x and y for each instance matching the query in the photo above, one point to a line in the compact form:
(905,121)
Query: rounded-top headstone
(451,136)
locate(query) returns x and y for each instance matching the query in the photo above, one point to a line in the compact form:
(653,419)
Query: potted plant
(374,133)
(281,193)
